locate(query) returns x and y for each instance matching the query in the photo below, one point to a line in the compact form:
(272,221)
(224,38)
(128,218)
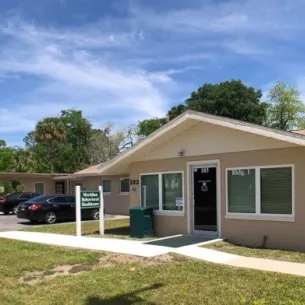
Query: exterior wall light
(181,153)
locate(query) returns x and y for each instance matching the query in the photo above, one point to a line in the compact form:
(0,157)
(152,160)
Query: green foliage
(7,163)
(147,127)
(13,186)
(2,143)
(286,109)
(231,99)
(64,144)
(175,111)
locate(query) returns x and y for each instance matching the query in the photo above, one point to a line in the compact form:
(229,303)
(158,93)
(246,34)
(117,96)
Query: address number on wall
(134,182)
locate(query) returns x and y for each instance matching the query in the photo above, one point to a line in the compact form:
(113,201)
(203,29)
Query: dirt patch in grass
(110,260)
(80,269)
(32,278)
(106,261)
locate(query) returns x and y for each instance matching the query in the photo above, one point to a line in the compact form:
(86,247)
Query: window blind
(276,190)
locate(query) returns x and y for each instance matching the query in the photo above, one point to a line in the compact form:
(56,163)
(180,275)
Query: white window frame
(161,211)
(124,193)
(44,187)
(107,193)
(258,215)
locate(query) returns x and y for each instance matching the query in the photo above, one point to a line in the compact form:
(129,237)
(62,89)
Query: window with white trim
(39,188)
(162,191)
(124,186)
(106,186)
(260,190)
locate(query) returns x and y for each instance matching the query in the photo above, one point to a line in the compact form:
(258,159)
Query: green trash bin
(141,222)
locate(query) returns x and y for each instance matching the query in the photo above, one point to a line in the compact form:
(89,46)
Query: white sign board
(179,203)
(88,200)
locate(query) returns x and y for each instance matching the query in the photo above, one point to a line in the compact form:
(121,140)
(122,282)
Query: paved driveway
(12,223)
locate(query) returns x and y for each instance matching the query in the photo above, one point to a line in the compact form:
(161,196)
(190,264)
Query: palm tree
(50,132)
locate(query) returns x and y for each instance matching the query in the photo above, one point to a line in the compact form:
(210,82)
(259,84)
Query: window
(39,188)
(276,190)
(60,188)
(260,190)
(150,191)
(58,200)
(162,191)
(24,196)
(106,186)
(171,191)
(70,199)
(124,186)
(241,191)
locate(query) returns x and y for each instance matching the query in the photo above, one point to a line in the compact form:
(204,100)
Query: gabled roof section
(290,137)
(90,170)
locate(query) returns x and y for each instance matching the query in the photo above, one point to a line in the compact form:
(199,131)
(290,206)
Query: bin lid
(141,209)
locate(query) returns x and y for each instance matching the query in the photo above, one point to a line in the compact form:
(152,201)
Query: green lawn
(113,279)
(282,255)
(113,228)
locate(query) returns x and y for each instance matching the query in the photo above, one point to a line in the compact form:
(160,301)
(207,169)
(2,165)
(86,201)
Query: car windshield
(39,199)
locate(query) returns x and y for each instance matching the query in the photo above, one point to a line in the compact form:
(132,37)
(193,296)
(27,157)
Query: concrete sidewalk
(233,260)
(139,248)
(131,247)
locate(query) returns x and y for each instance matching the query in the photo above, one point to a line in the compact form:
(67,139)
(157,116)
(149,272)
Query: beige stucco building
(209,175)
(204,174)
(37,183)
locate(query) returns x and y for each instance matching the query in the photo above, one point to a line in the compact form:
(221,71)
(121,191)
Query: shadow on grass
(122,231)
(124,299)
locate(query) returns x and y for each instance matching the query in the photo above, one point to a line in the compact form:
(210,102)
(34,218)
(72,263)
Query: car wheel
(50,217)
(15,210)
(95,214)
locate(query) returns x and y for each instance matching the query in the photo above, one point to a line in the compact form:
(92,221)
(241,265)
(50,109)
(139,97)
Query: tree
(7,163)
(176,111)
(13,186)
(286,109)
(231,99)
(147,127)
(107,143)
(50,132)
(2,143)
(24,161)
(79,134)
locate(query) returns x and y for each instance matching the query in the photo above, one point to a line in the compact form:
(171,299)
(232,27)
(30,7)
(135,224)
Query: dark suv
(10,202)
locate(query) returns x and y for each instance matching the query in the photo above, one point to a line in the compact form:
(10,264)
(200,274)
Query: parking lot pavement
(11,223)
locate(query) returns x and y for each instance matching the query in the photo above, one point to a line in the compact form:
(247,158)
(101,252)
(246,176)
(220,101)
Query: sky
(122,61)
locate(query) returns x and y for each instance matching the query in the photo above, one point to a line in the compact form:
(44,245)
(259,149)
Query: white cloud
(132,67)
(242,16)
(75,78)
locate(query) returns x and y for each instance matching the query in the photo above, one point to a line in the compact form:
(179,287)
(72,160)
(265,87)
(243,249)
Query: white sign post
(89,200)
(78,212)
(100,188)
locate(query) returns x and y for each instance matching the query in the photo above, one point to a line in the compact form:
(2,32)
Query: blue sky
(123,61)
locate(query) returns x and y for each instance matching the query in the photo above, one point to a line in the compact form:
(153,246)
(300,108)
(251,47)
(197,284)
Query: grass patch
(113,229)
(281,255)
(176,281)
(17,257)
